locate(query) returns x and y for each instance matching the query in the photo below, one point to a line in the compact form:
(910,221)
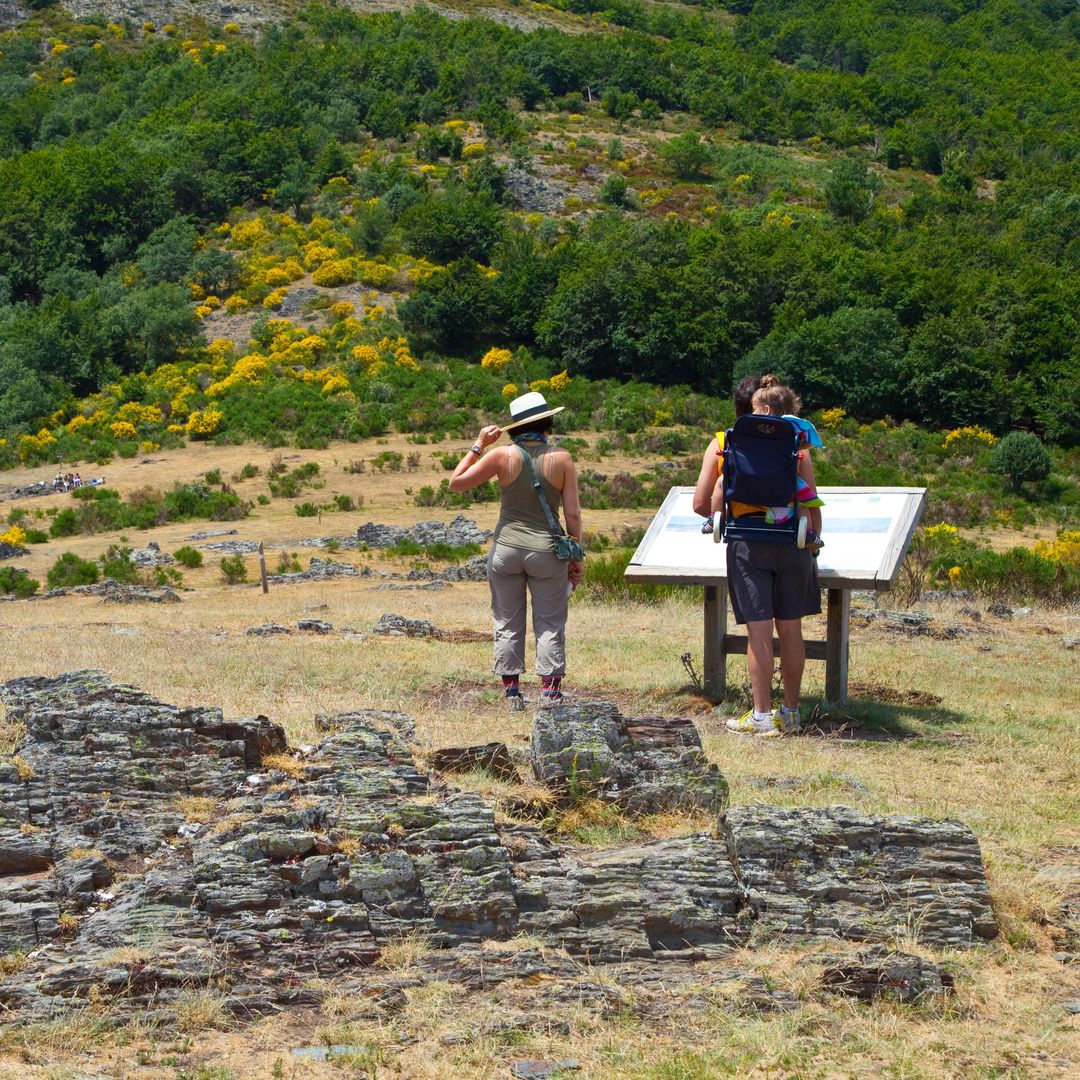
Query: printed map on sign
(866,532)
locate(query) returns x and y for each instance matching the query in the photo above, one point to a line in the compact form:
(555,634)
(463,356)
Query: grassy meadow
(980,726)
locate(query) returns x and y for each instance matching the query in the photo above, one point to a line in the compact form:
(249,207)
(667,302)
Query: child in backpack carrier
(772,398)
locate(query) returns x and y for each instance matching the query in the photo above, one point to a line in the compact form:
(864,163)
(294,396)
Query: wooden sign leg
(836,645)
(715,674)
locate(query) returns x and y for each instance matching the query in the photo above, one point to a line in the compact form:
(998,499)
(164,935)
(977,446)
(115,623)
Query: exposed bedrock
(146,849)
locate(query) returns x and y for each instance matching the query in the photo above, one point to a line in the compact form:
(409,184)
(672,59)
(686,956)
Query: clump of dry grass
(12,732)
(285,763)
(12,963)
(85,853)
(404,952)
(196,809)
(75,1033)
(200,1010)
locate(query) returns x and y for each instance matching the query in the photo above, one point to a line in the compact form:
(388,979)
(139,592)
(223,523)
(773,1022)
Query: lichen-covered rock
(835,871)
(459,532)
(315,626)
(493,758)
(401,626)
(113,592)
(143,843)
(646,765)
(268,630)
(11,551)
(883,972)
(474,569)
(150,556)
(320,570)
(233,547)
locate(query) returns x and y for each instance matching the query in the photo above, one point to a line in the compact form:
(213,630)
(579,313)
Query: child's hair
(779,399)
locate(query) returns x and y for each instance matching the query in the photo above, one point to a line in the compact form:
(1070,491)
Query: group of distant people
(67,481)
(61,482)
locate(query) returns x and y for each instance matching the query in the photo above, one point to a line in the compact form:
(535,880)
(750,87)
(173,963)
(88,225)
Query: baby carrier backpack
(760,467)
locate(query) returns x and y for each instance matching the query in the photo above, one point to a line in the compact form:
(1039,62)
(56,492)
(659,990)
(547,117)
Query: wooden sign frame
(705,564)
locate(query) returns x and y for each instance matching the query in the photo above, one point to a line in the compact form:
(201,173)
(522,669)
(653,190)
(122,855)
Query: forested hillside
(879,200)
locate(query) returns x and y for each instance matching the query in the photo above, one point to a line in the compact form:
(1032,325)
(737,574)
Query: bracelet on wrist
(477,450)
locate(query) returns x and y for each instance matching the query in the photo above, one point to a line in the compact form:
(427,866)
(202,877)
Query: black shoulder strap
(553,525)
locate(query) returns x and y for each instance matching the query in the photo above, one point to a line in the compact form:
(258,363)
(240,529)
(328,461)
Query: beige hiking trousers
(512,571)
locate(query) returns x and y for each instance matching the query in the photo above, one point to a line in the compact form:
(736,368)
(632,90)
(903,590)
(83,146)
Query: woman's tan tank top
(522,522)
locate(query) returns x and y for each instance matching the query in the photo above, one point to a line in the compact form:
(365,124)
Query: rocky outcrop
(459,532)
(151,847)
(645,765)
(233,547)
(834,871)
(882,972)
(114,592)
(320,570)
(11,551)
(150,556)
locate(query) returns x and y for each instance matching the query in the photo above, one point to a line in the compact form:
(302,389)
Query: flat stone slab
(459,532)
(645,764)
(835,871)
(142,842)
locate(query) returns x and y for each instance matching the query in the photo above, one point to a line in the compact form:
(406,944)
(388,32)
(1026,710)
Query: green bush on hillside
(16,582)
(233,570)
(188,556)
(69,569)
(1021,458)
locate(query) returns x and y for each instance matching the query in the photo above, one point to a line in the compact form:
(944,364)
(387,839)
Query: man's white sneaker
(781,723)
(748,724)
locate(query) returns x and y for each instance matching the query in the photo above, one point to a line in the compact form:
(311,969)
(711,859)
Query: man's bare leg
(759,660)
(792,659)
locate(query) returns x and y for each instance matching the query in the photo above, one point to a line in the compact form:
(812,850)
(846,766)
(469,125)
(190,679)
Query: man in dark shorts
(771,584)
(768,583)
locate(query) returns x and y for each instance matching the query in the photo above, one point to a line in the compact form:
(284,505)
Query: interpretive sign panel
(866,532)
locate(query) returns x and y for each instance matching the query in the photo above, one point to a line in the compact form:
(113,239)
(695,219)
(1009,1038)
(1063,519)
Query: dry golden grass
(1000,751)
(200,1010)
(404,952)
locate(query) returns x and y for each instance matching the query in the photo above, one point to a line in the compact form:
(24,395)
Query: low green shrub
(605,583)
(290,485)
(443,496)
(388,459)
(15,582)
(37,536)
(233,569)
(454,553)
(117,564)
(64,524)
(188,556)
(213,476)
(288,564)
(69,570)
(346,502)
(306,509)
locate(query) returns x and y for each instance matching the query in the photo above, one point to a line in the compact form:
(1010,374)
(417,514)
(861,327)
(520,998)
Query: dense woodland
(926,265)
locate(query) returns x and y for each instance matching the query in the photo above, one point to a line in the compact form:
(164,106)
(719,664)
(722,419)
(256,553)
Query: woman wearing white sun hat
(522,557)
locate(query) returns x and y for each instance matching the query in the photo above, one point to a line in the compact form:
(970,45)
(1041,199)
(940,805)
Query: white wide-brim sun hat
(530,407)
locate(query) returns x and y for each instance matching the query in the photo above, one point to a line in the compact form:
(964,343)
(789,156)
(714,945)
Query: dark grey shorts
(771,581)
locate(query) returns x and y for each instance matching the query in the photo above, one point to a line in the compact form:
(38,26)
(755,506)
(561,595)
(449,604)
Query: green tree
(453,224)
(851,189)
(1021,459)
(686,155)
